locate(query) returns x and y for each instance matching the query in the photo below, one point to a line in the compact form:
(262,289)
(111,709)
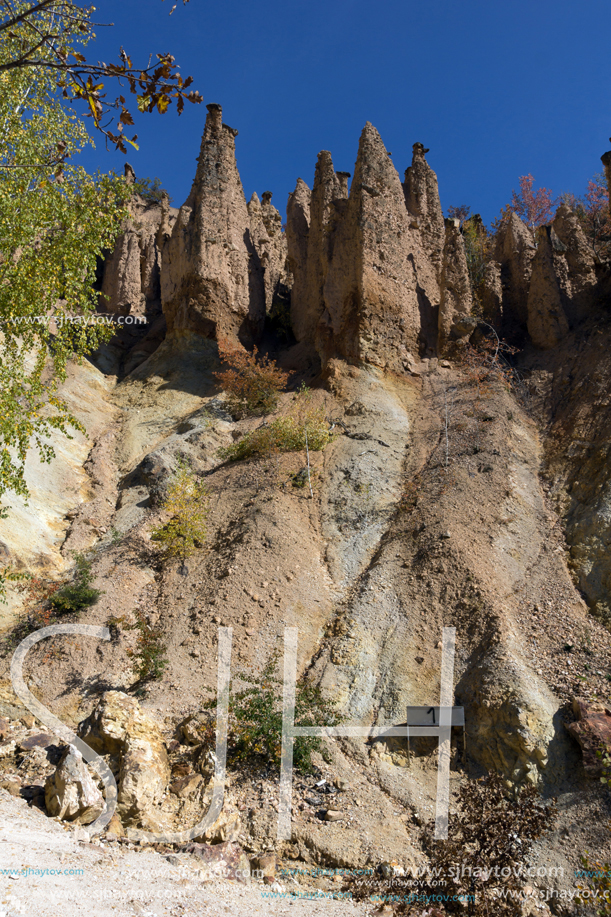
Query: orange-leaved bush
(252,382)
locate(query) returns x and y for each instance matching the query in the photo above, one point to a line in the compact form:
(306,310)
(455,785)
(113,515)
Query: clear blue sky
(495,88)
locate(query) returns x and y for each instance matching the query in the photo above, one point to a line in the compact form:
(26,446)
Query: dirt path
(86,879)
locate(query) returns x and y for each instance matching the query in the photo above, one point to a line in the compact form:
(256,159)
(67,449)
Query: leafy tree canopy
(56,220)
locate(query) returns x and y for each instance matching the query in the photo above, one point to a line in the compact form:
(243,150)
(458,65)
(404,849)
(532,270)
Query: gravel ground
(122,882)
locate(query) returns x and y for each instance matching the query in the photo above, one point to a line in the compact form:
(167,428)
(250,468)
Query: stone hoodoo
(575,265)
(370,273)
(547,321)
(365,288)
(375,294)
(297,235)
(514,251)
(269,243)
(422,200)
(548,284)
(131,279)
(212,279)
(329,189)
(456,300)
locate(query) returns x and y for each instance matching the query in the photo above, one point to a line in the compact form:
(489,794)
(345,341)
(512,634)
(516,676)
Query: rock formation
(117,727)
(491,294)
(547,322)
(422,200)
(381,293)
(269,243)
(316,243)
(575,265)
(71,793)
(297,234)
(131,280)
(212,281)
(456,300)
(514,251)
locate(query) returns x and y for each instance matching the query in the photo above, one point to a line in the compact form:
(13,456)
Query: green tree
(48,36)
(187,502)
(56,221)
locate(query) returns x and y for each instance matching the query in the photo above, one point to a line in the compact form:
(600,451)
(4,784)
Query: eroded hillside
(453,493)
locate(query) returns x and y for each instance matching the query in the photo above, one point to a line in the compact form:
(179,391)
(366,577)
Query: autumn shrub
(149,655)
(283,434)
(253,383)
(255,718)
(187,502)
(480,868)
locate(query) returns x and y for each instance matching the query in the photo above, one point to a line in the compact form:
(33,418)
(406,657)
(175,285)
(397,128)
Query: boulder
(71,793)
(197,728)
(592,729)
(547,321)
(118,727)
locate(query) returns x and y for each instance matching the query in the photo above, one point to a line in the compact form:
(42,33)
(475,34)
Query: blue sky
(495,88)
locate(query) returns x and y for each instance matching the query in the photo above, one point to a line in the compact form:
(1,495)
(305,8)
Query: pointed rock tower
(297,237)
(381,292)
(212,280)
(422,200)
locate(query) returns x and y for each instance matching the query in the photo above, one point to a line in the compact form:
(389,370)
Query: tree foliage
(253,383)
(534,207)
(187,502)
(460,213)
(48,36)
(78,593)
(592,210)
(56,221)
(255,717)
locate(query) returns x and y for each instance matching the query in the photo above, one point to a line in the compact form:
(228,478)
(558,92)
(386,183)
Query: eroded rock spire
(212,278)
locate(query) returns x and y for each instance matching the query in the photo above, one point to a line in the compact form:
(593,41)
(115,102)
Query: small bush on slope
(252,383)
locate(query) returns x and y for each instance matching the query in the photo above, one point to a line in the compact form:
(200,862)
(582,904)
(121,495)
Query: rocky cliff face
(456,300)
(514,252)
(428,509)
(297,238)
(355,272)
